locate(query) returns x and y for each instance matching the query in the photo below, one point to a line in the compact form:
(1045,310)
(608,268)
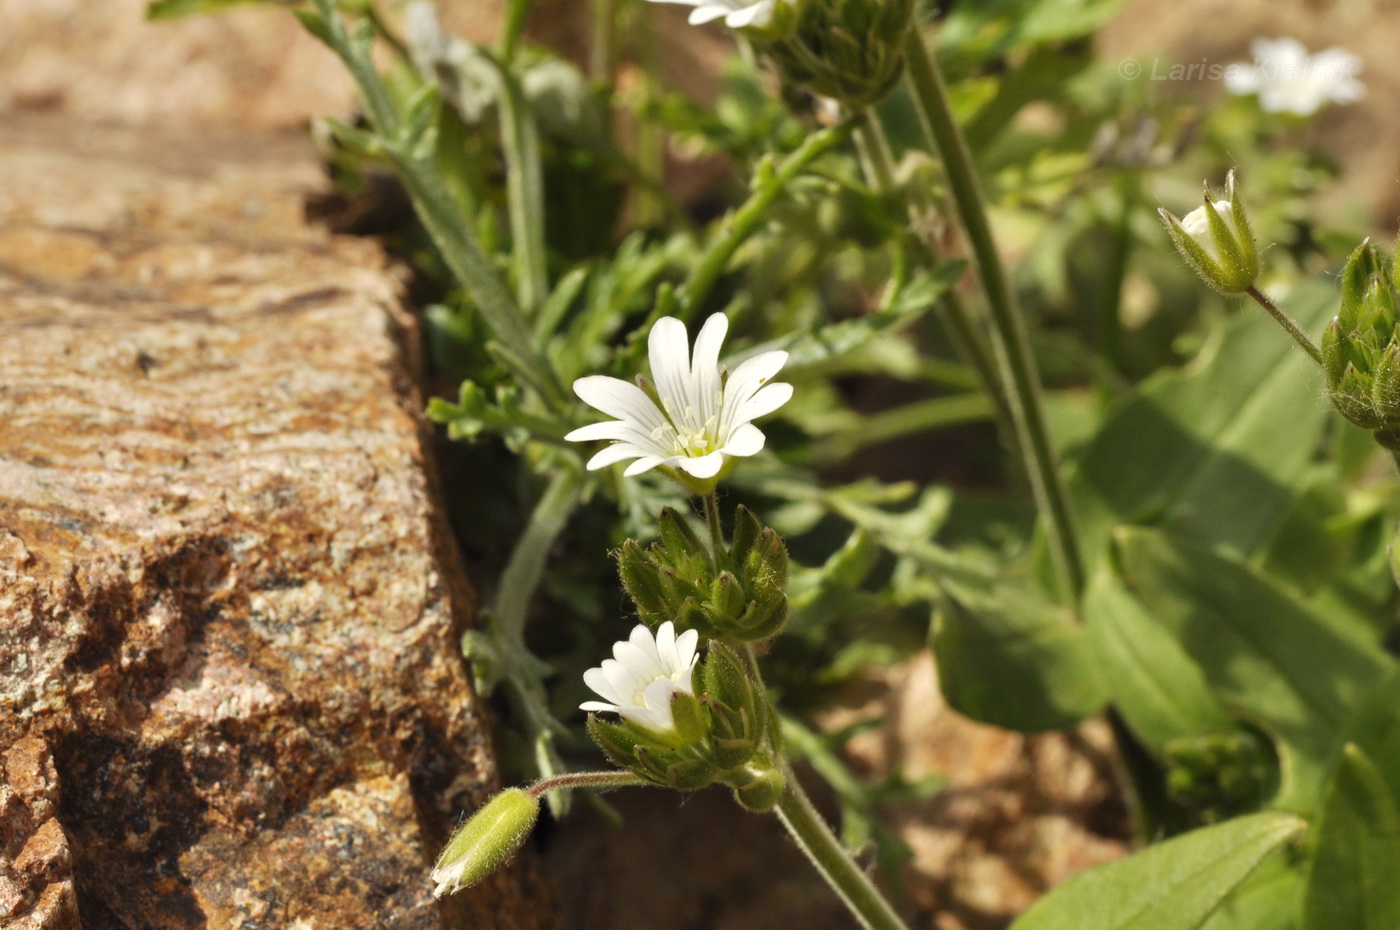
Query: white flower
(644,674)
(737,13)
(703,416)
(1289,80)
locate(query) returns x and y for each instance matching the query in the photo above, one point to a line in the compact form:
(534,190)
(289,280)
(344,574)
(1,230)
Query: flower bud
(1215,239)
(849,50)
(737,708)
(1361,347)
(742,599)
(1218,774)
(486,841)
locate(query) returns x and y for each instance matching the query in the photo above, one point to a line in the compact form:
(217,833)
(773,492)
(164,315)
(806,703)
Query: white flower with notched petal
(1289,80)
(699,417)
(644,674)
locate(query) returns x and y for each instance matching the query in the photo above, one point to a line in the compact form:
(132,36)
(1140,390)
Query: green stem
(517,11)
(526,566)
(739,225)
(716,531)
(601,47)
(1287,322)
(876,160)
(598,781)
(1011,347)
(825,851)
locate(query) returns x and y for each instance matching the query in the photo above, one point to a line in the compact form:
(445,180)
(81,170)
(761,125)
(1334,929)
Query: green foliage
(1352,880)
(1175,885)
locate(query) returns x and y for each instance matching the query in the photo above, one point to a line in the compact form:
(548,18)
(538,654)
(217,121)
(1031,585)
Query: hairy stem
(1011,346)
(831,859)
(1287,322)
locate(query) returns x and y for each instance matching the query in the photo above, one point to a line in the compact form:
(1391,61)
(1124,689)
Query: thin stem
(825,851)
(598,781)
(738,226)
(716,531)
(1286,321)
(517,11)
(876,160)
(520,143)
(1011,347)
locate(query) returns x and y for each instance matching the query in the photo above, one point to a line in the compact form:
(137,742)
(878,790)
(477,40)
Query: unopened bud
(486,841)
(1215,239)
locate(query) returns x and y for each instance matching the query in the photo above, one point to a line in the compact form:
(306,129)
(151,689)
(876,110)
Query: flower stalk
(1287,322)
(1015,362)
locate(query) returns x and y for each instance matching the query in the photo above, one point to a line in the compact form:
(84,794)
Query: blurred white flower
(737,14)
(1289,80)
(644,674)
(698,417)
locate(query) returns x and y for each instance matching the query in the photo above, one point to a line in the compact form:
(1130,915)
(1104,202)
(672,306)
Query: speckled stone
(230,690)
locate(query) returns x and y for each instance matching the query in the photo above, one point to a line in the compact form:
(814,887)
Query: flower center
(688,434)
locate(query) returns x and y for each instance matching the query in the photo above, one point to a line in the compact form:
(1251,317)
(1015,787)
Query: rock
(230,689)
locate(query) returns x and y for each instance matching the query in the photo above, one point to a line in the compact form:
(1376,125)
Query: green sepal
(621,746)
(1362,265)
(486,840)
(1194,254)
(1334,356)
(746,530)
(1352,398)
(1385,384)
(678,539)
(739,713)
(689,720)
(642,581)
(759,786)
(727,600)
(1249,250)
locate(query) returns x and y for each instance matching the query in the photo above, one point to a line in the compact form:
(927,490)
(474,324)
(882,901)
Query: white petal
(768,399)
(599,706)
(753,373)
(706,466)
(598,681)
(610,455)
(666,646)
(746,440)
(645,463)
(649,718)
(685,651)
(608,429)
(707,12)
(624,682)
(758,14)
(704,366)
(642,640)
(619,399)
(669,352)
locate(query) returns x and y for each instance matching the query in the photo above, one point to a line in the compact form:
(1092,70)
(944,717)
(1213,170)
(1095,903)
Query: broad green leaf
(1354,883)
(1375,730)
(1175,885)
(1271,899)
(1299,674)
(1211,451)
(1159,690)
(1013,659)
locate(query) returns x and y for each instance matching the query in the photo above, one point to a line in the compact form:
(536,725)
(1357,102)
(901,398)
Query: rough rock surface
(230,694)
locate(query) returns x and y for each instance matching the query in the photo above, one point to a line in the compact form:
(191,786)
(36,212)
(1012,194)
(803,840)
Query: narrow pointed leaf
(1352,884)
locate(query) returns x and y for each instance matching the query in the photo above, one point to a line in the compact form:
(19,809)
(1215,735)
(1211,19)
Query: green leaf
(1172,886)
(1159,690)
(1376,731)
(1352,883)
(174,9)
(1266,657)
(1013,659)
(1211,451)
(1271,899)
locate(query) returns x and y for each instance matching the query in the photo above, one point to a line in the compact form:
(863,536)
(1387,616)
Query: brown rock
(230,691)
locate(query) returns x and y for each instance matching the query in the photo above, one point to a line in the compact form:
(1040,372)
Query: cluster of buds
(1216,241)
(1219,775)
(1361,347)
(849,50)
(676,738)
(739,595)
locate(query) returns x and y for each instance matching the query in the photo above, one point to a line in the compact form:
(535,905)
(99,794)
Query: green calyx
(849,50)
(1216,240)
(716,738)
(739,595)
(1361,346)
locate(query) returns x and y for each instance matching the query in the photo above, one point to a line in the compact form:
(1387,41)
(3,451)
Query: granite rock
(230,690)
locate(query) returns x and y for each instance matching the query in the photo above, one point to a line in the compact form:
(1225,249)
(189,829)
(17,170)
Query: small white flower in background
(644,674)
(737,14)
(702,418)
(1289,80)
